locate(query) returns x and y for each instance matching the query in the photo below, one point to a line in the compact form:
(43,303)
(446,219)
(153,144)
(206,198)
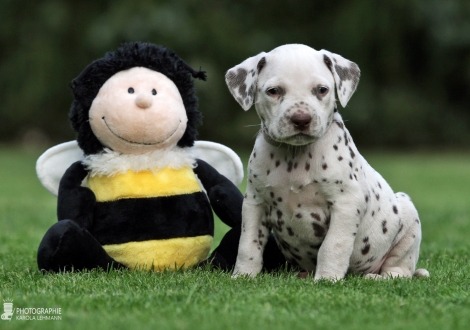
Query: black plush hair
(134,54)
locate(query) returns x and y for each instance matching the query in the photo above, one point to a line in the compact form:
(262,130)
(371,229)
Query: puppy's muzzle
(301,121)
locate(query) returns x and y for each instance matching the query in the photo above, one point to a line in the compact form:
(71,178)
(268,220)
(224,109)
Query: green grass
(439,184)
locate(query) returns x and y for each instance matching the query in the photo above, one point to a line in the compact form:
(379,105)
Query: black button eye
(273,91)
(130,90)
(154,91)
(322,90)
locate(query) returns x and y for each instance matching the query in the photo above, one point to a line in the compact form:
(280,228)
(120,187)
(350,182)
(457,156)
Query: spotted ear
(241,79)
(345,73)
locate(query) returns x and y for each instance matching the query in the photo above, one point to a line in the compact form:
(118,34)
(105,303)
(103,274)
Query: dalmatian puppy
(330,212)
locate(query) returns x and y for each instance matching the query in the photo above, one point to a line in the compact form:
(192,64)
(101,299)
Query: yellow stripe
(166,182)
(159,255)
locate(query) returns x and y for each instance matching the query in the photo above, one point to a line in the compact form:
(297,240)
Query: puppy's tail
(421,272)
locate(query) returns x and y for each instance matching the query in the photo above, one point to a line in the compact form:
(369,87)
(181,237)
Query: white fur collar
(110,163)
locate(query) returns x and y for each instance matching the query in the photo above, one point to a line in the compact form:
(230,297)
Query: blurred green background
(414,56)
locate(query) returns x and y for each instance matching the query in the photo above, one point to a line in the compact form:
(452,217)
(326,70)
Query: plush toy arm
(226,199)
(74,201)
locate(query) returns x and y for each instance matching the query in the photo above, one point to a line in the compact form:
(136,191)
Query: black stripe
(142,219)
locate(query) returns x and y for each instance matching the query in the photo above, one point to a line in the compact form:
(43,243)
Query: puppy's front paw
(331,278)
(237,275)
(241,274)
(421,272)
(245,271)
(376,277)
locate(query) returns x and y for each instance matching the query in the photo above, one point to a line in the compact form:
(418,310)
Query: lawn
(439,184)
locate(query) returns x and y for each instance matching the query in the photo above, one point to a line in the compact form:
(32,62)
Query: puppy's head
(293,89)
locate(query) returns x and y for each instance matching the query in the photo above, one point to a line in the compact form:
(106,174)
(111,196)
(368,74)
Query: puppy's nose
(143,101)
(301,120)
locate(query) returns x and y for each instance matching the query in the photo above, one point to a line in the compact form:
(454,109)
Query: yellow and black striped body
(152,220)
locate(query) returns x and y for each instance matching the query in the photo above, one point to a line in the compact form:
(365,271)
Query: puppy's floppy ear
(345,73)
(241,79)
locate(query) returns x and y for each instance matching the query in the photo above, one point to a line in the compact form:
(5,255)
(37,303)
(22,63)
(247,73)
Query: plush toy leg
(225,255)
(67,246)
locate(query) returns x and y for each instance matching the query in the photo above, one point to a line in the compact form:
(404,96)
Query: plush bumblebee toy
(139,195)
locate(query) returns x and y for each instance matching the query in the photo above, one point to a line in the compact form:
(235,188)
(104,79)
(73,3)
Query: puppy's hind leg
(402,259)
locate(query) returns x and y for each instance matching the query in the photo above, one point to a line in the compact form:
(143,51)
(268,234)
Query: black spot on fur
(340,125)
(319,231)
(328,62)
(395,210)
(351,152)
(384,226)
(289,166)
(290,231)
(371,259)
(261,64)
(348,73)
(315,216)
(365,249)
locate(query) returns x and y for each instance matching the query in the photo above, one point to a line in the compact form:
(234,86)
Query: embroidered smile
(142,143)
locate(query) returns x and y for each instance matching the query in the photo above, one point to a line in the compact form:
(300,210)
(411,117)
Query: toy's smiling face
(137,111)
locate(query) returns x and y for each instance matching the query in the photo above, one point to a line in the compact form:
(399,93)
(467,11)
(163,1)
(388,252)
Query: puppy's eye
(273,91)
(154,91)
(322,90)
(130,90)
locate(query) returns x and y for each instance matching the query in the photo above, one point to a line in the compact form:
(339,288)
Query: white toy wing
(52,164)
(222,158)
